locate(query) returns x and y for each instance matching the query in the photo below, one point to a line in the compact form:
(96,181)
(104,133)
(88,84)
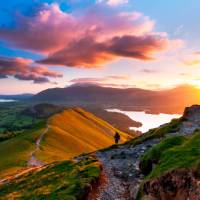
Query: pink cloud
(25,69)
(89,53)
(97,36)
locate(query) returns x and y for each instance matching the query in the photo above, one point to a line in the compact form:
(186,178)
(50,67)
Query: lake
(6,100)
(148,121)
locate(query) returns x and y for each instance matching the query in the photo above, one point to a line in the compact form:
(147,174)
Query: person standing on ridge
(117,137)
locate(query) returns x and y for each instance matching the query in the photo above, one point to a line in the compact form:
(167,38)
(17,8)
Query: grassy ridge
(63,180)
(153,156)
(73,132)
(173,153)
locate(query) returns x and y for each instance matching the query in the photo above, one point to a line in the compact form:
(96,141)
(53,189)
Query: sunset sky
(118,43)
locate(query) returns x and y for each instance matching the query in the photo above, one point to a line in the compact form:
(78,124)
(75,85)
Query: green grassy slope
(73,132)
(15,152)
(62,180)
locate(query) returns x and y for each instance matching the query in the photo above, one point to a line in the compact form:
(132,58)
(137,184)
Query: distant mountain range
(165,101)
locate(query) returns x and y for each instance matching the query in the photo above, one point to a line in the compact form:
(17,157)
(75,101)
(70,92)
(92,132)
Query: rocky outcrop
(175,185)
(192,113)
(190,120)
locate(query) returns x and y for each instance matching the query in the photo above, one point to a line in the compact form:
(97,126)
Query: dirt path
(33,161)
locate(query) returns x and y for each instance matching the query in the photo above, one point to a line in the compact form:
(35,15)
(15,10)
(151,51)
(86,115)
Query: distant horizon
(134,87)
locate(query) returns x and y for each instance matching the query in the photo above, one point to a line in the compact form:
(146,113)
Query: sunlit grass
(73,132)
(65,180)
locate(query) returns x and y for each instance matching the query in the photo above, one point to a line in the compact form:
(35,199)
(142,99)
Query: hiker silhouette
(117,137)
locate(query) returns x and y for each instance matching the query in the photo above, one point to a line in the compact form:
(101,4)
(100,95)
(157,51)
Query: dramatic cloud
(24,69)
(90,39)
(89,53)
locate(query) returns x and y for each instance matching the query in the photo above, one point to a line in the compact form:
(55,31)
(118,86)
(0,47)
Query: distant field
(18,117)
(74,132)
(13,122)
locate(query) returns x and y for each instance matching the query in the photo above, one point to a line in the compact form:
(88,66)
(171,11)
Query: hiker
(117,137)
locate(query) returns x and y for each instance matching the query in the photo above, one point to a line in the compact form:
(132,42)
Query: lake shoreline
(148,120)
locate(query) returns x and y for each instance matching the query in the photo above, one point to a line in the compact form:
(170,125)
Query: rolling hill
(67,134)
(165,101)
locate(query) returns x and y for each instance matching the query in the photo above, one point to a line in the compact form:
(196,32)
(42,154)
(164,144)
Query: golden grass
(73,132)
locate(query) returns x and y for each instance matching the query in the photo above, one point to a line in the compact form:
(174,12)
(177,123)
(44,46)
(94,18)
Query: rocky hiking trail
(121,173)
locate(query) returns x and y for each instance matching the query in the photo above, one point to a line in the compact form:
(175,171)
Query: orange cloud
(89,53)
